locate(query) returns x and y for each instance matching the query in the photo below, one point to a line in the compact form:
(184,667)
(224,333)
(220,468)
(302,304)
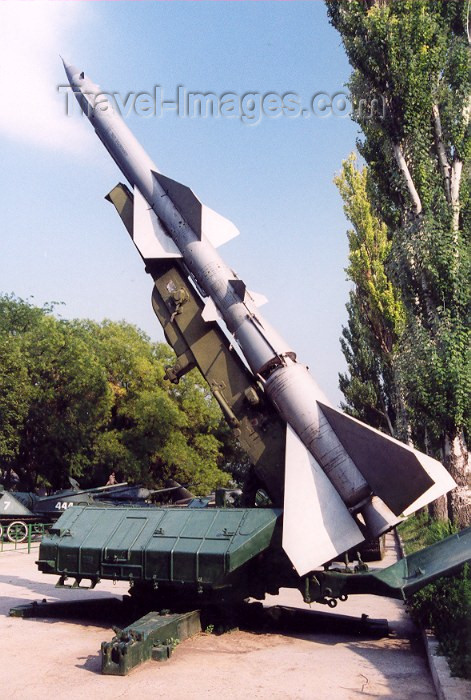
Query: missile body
(340,475)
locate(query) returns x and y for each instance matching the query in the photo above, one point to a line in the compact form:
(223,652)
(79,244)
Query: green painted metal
(153,636)
(156,545)
(22,536)
(400,580)
(183,553)
(416,570)
(93,609)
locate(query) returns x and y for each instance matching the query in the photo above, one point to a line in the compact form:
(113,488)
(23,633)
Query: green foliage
(60,400)
(172,642)
(83,399)
(365,386)
(369,249)
(445,605)
(14,397)
(412,61)
(376,314)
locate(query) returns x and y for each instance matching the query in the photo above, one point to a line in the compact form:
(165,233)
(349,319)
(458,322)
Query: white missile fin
(217,228)
(210,311)
(443,482)
(149,236)
(316,523)
(258,299)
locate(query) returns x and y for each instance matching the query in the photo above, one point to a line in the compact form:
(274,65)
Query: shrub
(445,605)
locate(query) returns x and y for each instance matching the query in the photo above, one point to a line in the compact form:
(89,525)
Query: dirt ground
(55,659)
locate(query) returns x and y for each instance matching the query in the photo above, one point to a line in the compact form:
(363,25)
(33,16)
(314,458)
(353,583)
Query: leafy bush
(84,399)
(445,605)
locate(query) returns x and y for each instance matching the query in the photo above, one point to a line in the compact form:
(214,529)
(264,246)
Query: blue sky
(62,241)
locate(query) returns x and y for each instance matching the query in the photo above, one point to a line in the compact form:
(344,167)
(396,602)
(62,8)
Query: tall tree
(413,59)
(376,314)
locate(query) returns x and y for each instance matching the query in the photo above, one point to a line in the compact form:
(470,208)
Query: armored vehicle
(18,509)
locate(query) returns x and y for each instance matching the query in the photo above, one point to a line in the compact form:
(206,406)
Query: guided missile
(343,479)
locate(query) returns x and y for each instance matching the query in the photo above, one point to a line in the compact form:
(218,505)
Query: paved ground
(55,659)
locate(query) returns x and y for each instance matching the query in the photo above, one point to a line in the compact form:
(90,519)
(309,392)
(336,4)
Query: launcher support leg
(153,636)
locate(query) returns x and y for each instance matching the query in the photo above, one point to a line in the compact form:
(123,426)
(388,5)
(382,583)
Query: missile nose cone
(70,70)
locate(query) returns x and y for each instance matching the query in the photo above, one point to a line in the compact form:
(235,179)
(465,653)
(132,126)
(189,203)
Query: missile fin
(257,298)
(316,523)
(210,311)
(184,200)
(149,235)
(217,228)
(394,471)
(202,219)
(443,482)
(243,293)
(239,288)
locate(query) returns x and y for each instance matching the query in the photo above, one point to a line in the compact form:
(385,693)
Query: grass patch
(445,605)
(420,531)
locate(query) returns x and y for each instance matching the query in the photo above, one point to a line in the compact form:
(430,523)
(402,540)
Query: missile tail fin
(316,523)
(400,475)
(442,483)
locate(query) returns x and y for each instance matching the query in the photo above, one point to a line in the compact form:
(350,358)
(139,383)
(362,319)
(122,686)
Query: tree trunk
(456,172)
(456,461)
(403,430)
(441,150)
(404,168)
(438,509)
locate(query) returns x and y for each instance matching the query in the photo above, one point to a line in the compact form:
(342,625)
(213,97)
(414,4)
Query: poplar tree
(411,95)
(376,313)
